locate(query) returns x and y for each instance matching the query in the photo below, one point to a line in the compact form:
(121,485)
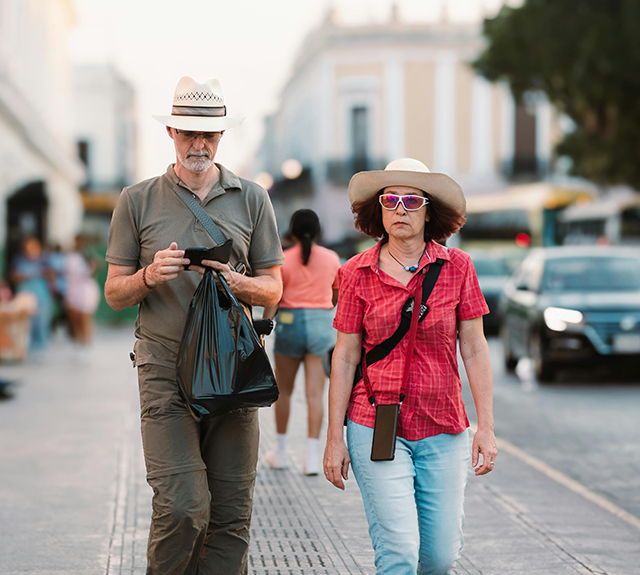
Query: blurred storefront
(106,137)
(361,96)
(39,168)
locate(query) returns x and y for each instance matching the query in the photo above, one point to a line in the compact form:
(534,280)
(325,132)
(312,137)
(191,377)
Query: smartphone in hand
(220,253)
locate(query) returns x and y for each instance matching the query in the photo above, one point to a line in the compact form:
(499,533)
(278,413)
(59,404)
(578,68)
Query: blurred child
(82,296)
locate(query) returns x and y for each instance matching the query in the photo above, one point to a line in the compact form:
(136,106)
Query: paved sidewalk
(73,498)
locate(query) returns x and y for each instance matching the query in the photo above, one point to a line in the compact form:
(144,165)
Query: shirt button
(413,385)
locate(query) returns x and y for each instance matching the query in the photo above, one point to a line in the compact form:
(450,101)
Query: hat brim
(445,189)
(200,123)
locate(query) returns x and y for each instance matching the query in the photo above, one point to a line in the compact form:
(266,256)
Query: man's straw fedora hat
(199,107)
(408,172)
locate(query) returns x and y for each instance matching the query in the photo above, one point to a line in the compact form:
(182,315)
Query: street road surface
(586,425)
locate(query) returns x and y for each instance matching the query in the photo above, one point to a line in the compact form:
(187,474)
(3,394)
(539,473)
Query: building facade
(39,168)
(361,96)
(105,134)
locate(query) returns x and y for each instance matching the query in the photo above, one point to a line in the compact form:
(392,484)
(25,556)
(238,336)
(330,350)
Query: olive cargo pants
(202,475)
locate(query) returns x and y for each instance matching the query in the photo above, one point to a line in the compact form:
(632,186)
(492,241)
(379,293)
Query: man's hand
(167,265)
(264,288)
(231,277)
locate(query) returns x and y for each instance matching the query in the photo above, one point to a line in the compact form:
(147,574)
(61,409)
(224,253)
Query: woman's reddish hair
(443,220)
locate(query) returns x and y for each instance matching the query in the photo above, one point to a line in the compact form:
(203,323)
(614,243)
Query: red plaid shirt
(370,303)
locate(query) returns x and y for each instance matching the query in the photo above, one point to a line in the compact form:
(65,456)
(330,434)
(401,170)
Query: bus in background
(520,217)
(611,220)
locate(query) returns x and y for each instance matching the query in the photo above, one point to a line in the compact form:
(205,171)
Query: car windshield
(490,267)
(592,274)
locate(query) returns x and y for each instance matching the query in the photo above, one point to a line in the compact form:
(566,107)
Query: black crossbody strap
(383,349)
(203,217)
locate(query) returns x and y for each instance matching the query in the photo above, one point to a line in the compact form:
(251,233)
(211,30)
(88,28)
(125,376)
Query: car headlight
(557,318)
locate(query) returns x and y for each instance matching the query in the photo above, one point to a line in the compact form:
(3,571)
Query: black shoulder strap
(203,217)
(383,349)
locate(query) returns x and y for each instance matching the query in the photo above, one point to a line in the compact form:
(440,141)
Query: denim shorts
(304,331)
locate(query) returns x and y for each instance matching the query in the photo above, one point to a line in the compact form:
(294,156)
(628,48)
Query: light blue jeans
(414,504)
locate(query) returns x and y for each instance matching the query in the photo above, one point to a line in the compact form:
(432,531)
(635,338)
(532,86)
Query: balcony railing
(339,172)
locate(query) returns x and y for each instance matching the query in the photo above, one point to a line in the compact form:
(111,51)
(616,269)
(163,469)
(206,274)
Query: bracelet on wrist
(144,278)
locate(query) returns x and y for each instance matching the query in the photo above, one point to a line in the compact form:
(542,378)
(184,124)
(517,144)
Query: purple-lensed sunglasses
(410,203)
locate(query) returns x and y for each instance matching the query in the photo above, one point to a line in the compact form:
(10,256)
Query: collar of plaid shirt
(434,251)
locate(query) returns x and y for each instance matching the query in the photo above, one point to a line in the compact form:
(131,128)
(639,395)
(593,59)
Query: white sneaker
(311,467)
(277,459)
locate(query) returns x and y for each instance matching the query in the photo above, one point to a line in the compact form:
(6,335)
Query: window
(630,223)
(359,137)
(83,152)
(592,274)
(524,161)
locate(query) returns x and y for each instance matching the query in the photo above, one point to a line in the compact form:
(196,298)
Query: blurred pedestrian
(57,264)
(304,332)
(413,485)
(202,472)
(82,296)
(30,274)
(15,322)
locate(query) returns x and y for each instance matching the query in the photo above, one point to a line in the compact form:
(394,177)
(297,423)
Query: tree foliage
(585,56)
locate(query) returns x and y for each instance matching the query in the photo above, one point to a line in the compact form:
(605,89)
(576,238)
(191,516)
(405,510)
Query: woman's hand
(346,356)
(484,442)
(475,354)
(336,462)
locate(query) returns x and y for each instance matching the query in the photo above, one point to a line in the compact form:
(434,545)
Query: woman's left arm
(475,354)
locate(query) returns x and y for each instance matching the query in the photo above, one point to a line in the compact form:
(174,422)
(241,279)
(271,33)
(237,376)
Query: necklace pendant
(411,269)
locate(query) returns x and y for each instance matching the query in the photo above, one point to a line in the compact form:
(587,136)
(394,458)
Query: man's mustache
(203,154)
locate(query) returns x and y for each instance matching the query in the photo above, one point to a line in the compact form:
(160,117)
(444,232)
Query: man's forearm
(264,291)
(125,291)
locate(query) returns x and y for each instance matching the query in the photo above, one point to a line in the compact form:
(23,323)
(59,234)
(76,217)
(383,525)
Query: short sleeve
(472,303)
(124,242)
(336,281)
(265,250)
(350,312)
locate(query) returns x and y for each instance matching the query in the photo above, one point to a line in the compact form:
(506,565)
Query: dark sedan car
(493,273)
(573,306)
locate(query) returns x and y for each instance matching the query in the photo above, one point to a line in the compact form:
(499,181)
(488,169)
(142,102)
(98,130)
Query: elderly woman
(412,483)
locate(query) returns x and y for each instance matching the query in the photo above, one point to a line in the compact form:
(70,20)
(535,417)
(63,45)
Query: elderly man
(202,473)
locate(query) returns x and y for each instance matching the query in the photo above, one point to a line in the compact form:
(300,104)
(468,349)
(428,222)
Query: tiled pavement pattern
(72,480)
(286,541)
(293,532)
(518,521)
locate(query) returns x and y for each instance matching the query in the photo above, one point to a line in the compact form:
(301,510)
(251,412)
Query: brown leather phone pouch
(385,427)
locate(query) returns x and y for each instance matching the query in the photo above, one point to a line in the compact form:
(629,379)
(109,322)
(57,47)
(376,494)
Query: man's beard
(196,162)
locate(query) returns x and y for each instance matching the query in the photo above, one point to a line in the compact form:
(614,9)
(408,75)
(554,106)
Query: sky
(249,45)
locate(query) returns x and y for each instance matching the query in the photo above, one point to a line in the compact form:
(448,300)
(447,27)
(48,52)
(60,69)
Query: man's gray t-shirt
(150,215)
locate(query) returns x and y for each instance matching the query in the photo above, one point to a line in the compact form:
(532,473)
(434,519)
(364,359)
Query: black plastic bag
(222,364)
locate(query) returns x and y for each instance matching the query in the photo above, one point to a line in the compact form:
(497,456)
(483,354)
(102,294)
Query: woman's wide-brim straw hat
(199,108)
(408,172)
